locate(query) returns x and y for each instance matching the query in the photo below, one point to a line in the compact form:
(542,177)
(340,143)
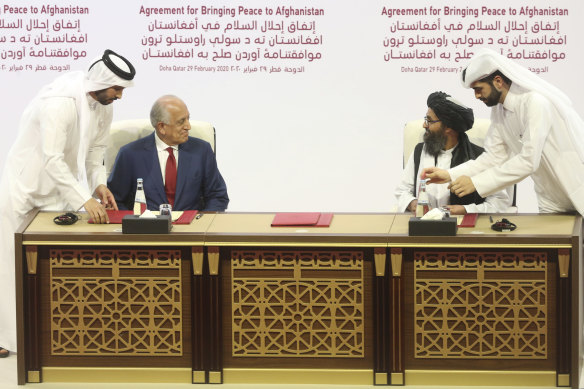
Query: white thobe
(42,171)
(528,137)
(439,194)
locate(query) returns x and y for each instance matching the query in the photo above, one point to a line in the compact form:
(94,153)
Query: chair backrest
(126,131)
(414,134)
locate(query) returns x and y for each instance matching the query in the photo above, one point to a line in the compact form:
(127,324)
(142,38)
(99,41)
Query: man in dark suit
(176,169)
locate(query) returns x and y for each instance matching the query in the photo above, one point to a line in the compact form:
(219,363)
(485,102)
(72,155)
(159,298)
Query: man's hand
(456,209)
(413,205)
(96,211)
(462,186)
(106,197)
(435,175)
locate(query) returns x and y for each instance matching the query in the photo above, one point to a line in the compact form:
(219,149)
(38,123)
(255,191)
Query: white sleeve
(495,154)
(537,121)
(58,119)
(404,192)
(498,202)
(94,163)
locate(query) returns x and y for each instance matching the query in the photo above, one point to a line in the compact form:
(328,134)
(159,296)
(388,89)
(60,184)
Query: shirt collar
(449,151)
(160,145)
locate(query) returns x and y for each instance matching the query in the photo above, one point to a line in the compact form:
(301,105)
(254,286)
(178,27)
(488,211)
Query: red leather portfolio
(302,219)
(469,220)
(324,220)
(186,217)
(288,219)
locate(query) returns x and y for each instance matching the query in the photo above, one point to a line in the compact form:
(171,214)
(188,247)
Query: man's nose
(119,94)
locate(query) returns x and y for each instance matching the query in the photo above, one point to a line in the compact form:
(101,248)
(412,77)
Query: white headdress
(109,70)
(486,61)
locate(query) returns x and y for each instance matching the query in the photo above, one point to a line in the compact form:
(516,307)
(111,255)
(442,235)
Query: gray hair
(159,113)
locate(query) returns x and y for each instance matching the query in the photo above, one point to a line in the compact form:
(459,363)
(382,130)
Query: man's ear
(499,82)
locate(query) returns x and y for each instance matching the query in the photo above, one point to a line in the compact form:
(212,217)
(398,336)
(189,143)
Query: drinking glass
(166,209)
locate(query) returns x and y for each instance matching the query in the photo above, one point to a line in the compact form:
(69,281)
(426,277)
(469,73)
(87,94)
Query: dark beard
(435,142)
(102,97)
(493,98)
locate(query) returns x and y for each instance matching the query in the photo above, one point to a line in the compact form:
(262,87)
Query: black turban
(452,113)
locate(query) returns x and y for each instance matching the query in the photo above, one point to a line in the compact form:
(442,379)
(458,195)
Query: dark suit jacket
(199,184)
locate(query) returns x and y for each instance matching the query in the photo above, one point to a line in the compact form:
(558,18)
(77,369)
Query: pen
(200,215)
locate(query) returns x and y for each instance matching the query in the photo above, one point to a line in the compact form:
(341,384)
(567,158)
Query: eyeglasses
(428,122)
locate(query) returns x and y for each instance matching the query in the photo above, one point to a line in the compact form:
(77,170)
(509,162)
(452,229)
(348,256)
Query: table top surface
(229,228)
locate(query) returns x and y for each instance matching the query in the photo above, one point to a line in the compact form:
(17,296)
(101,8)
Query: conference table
(230,299)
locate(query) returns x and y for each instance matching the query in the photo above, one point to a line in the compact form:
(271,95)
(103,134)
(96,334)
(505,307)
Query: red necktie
(170,177)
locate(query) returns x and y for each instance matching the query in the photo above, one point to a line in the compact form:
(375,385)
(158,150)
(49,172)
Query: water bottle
(423,202)
(140,198)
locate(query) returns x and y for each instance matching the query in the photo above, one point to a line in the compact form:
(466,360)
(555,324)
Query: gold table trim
(298,376)
(480,378)
(118,375)
(294,244)
(107,243)
(482,245)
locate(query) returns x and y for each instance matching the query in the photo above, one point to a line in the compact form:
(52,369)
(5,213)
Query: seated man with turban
(445,145)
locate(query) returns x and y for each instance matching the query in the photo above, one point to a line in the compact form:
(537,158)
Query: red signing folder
(186,217)
(302,219)
(469,220)
(115,217)
(324,220)
(295,219)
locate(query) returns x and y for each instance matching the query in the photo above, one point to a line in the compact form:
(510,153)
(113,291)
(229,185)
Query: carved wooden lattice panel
(297,304)
(480,305)
(116,302)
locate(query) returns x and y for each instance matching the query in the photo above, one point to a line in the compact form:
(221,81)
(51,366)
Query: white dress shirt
(163,155)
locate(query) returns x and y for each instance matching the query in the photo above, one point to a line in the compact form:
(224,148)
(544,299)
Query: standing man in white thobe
(56,162)
(534,132)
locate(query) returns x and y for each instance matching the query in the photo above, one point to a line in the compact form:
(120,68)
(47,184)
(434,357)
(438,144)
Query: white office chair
(126,131)
(414,134)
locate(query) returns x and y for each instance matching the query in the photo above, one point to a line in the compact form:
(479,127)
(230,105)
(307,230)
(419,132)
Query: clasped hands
(461,187)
